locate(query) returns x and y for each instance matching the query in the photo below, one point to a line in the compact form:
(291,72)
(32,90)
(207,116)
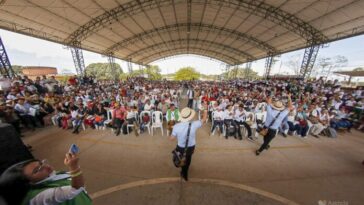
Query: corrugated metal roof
(233,31)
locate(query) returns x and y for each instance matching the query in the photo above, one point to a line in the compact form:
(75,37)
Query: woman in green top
(35,182)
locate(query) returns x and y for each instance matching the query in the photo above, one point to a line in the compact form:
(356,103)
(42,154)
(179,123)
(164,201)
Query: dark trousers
(300,130)
(247,127)
(16,125)
(219,123)
(190,103)
(28,120)
(189,152)
(118,125)
(271,134)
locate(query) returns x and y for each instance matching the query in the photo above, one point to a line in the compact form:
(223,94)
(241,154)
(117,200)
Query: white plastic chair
(250,116)
(141,119)
(157,121)
(217,127)
(261,116)
(200,116)
(109,119)
(132,125)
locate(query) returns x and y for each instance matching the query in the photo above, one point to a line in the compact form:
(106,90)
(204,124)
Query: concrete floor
(138,170)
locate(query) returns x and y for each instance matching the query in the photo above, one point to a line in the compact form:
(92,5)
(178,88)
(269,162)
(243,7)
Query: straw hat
(187,114)
(278,105)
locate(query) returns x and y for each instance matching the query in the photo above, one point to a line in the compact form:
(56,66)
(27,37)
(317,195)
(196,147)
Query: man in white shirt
(240,119)
(148,106)
(190,96)
(218,117)
(185,133)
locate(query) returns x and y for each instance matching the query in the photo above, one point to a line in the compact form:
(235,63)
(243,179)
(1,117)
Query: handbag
(264,131)
(178,158)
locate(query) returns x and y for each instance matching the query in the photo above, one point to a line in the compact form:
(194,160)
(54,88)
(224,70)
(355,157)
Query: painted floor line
(149,182)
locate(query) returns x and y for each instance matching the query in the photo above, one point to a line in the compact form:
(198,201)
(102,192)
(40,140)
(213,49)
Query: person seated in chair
(241,119)
(131,118)
(144,122)
(172,117)
(229,121)
(218,119)
(341,121)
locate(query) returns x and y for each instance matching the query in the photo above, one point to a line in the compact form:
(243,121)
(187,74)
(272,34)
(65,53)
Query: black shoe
(235,137)
(240,138)
(226,137)
(316,136)
(257,152)
(183,176)
(268,146)
(250,138)
(284,134)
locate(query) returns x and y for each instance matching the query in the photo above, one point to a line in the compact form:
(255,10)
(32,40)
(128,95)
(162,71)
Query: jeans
(219,123)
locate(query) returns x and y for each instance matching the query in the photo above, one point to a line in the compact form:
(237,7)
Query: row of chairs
(255,118)
(155,122)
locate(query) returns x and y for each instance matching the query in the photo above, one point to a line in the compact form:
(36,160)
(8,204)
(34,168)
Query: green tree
(103,71)
(153,72)
(18,69)
(246,73)
(187,73)
(358,69)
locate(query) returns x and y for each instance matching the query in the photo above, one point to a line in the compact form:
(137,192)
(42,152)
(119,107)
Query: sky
(28,51)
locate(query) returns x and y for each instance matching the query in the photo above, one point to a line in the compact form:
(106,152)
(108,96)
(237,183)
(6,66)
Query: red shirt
(119,113)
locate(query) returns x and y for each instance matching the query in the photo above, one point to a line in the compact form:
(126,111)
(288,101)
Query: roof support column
(111,60)
(5,65)
(130,66)
(248,67)
(78,60)
(309,58)
(268,66)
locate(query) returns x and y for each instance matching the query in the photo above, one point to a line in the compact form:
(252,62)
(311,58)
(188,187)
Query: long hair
(14,185)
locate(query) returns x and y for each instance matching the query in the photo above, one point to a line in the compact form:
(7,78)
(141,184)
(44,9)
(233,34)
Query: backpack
(330,132)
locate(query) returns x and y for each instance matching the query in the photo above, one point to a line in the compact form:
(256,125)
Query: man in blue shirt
(180,132)
(276,113)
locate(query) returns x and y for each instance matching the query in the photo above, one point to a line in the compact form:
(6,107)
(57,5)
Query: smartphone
(74,149)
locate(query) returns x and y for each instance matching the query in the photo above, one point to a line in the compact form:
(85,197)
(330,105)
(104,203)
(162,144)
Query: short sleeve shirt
(180,132)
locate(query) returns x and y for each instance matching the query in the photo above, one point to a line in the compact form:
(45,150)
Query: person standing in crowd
(276,113)
(118,118)
(35,182)
(180,132)
(190,96)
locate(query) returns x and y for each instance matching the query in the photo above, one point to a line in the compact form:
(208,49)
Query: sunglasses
(41,165)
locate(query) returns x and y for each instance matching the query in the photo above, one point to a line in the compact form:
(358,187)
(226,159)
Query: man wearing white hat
(276,112)
(186,130)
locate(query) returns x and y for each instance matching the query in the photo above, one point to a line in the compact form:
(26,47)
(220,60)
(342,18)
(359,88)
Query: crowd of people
(232,108)
(82,103)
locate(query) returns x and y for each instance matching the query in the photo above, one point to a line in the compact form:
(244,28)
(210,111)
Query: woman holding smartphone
(35,182)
